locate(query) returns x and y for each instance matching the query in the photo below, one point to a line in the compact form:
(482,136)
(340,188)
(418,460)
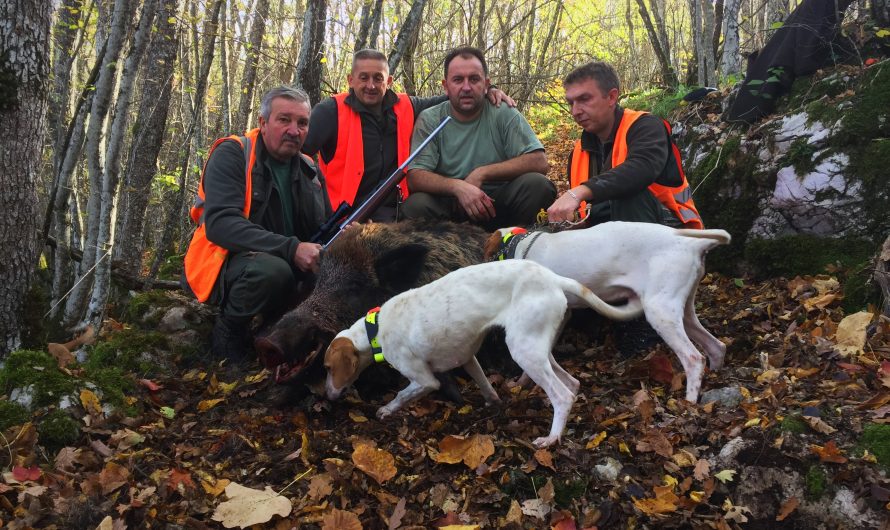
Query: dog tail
(629,311)
(720,237)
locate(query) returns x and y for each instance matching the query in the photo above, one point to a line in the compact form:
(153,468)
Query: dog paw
(383,413)
(545,441)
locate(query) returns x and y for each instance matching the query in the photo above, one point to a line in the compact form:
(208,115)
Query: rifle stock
(364,210)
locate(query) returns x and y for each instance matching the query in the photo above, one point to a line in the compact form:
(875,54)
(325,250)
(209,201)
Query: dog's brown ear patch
(492,244)
(341,360)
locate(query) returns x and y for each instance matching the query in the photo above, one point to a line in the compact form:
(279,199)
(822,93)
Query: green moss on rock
(58,429)
(805,254)
(868,116)
(141,303)
(12,414)
(793,423)
(36,369)
(816,482)
(876,438)
(129,350)
(114,383)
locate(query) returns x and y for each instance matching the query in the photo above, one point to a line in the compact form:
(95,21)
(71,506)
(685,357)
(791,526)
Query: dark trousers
(516,202)
(642,207)
(256,283)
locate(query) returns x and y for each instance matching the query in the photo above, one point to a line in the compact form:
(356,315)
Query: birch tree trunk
(308,73)
(175,215)
(102,95)
(64,33)
(409,27)
(730,62)
(24,70)
(248,80)
(148,136)
(110,177)
(659,46)
(707,63)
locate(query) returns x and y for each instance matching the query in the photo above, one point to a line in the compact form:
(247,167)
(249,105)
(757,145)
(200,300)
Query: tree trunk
(774,13)
(225,112)
(308,72)
(880,9)
(707,64)
(409,27)
(632,42)
(718,28)
(148,136)
(369,27)
(661,49)
(111,176)
(480,26)
(882,274)
(64,32)
(248,80)
(175,215)
(730,63)
(25,31)
(117,34)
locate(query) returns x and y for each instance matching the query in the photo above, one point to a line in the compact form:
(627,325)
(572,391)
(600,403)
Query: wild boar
(363,268)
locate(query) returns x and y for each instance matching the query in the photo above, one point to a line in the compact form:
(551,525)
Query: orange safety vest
(677,199)
(204,259)
(345,170)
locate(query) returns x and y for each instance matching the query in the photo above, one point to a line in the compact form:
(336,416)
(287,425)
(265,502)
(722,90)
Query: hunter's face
(466,86)
(369,81)
(286,129)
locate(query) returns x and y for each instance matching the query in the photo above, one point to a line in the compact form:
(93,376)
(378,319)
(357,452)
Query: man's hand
(306,256)
(564,207)
(475,202)
(496,96)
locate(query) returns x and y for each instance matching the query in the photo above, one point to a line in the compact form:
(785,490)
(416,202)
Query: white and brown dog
(653,265)
(440,326)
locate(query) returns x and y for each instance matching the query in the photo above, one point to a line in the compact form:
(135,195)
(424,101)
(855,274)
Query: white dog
(653,265)
(440,326)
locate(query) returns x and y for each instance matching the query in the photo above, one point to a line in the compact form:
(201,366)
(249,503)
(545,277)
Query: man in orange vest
(259,202)
(625,163)
(364,134)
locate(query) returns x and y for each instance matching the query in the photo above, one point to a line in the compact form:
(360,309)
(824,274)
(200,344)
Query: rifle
(364,210)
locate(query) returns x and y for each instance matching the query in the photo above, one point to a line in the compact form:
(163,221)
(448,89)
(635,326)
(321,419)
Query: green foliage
(141,303)
(12,414)
(805,254)
(876,438)
(29,367)
(58,429)
(126,350)
(550,122)
(816,482)
(868,117)
(800,155)
(114,382)
(567,490)
(658,101)
(172,267)
(793,423)
(868,164)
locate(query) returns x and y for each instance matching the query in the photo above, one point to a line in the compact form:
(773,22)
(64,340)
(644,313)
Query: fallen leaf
(320,486)
(167,412)
(208,404)
(23,474)
(545,458)
(514,514)
(735,513)
(596,440)
(787,508)
(535,508)
(65,458)
(850,335)
(378,463)
(661,369)
(395,520)
(665,501)
(61,354)
(214,487)
(818,425)
(180,480)
(340,520)
(112,477)
(725,476)
(472,450)
(105,524)
(702,470)
(829,453)
(90,402)
(247,507)
(150,385)
(655,441)
(357,417)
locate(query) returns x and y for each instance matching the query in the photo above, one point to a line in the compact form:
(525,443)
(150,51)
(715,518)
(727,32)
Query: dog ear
(399,269)
(491,245)
(341,361)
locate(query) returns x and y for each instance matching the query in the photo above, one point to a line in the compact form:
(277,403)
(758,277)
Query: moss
(868,165)
(727,178)
(171,268)
(660,102)
(141,303)
(57,429)
(793,423)
(868,117)
(807,90)
(876,438)
(800,155)
(114,383)
(12,414)
(859,290)
(805,254)
(127,351)
(29,367)
(565,491)
(816,482)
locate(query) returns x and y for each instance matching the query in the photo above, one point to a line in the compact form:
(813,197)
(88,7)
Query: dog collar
(509,242)
(372,328)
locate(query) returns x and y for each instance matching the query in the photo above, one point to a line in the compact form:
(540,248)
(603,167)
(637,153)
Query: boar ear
(398,269)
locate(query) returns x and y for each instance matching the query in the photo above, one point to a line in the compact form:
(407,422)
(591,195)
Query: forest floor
(798,439)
